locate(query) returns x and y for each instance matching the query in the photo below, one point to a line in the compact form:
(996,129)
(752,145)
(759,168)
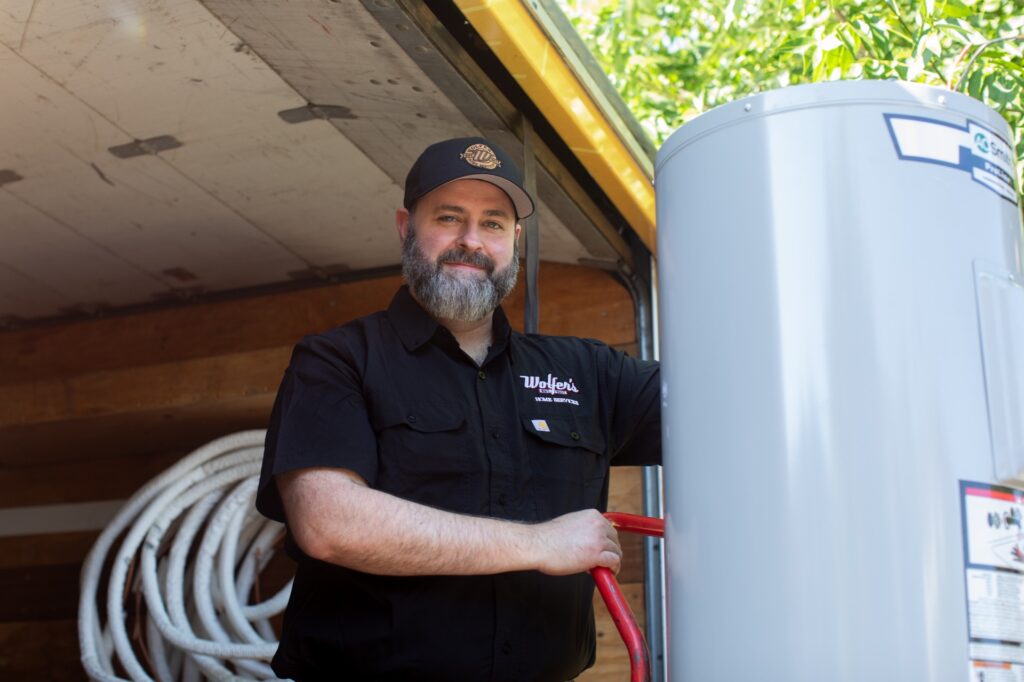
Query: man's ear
(402,223)
(519,229)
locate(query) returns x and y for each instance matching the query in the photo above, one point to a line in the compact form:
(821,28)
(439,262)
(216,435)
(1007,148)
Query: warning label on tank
(972,148)
(993,524)
(987,671)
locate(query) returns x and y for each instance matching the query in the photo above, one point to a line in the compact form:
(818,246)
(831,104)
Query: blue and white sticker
(971,148)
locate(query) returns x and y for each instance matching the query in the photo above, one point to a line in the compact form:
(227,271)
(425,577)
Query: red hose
(642,525)
(618,607)
(639,665)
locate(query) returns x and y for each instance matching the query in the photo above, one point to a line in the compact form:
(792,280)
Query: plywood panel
(48,592)
(187,332)
(143,389)
(41,650)
(46,550)
(48,649)
(140,400)
(83,479)
(141,434)
(56,656)
(625,494)
(140,390)
(612,663)
(579,301)
(575,301)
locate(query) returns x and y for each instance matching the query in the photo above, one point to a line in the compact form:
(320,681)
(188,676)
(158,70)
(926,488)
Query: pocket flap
(566,431)
(423,417)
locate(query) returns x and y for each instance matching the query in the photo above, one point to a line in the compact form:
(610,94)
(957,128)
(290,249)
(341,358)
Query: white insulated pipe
(198,620)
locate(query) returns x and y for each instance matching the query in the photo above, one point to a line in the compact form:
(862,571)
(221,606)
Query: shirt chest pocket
(424,453)
(568,460)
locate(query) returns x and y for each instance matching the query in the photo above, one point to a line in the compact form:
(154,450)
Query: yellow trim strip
(511,32)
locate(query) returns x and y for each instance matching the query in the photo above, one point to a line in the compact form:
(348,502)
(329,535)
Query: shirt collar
(412,323)
(415,327)
(502,333)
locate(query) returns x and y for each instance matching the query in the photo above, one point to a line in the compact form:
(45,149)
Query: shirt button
(411,417)
(495,434)
(506,648)
(501,499)
(574,435)
(482,374)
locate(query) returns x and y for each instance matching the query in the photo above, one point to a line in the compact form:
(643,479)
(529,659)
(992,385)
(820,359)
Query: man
(440,474)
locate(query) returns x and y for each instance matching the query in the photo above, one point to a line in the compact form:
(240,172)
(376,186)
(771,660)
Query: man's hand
(577,542)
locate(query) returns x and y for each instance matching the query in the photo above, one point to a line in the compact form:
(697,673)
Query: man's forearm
(333,518)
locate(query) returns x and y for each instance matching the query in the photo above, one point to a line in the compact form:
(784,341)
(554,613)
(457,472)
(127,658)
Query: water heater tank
(842,343)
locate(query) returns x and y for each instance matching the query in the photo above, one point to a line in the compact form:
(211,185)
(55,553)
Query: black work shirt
(528,435)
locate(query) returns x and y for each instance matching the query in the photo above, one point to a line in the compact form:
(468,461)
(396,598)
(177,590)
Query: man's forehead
(455,208)
(466,195)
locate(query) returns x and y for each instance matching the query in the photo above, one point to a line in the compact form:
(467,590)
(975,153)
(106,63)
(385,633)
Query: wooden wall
(90,410)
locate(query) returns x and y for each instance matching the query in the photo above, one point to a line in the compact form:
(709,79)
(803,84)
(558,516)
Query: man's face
(460,249)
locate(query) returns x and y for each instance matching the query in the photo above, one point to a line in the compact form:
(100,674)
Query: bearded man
(440,474)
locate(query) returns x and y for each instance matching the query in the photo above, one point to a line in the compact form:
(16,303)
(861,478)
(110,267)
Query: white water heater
(842,343)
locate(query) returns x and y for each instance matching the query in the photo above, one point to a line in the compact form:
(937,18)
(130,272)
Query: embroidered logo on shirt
(540,425)
(552,389)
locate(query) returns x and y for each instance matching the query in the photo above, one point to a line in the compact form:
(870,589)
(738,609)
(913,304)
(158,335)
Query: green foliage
(673,60)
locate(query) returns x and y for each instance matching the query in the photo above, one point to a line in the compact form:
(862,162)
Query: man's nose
(470,237)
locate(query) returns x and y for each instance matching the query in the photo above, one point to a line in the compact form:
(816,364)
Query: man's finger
(610,560)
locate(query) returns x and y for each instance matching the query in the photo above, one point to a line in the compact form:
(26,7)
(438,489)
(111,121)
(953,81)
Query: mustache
(475,259)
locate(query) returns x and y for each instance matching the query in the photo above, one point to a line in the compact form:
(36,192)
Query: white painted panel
(142,208)
(73,268)
(336,207)
(337,53)
(159,220)
(13,18)
(248,198)
(556,242)
(304,185)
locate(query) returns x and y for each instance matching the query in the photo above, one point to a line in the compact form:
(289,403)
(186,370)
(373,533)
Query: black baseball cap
(472,158)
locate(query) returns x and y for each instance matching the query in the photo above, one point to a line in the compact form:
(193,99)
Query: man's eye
(448,218)
(495,226)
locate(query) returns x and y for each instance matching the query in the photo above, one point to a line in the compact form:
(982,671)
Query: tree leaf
(673,60)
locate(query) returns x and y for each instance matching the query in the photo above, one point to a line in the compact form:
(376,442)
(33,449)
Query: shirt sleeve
(635,428)
(319,420)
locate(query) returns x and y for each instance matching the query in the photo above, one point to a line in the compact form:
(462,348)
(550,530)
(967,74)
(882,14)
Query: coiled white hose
(194,525)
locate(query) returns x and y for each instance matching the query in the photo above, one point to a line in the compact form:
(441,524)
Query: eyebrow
(497,212)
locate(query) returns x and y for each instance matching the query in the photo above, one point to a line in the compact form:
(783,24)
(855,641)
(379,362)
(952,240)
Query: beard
(449,297)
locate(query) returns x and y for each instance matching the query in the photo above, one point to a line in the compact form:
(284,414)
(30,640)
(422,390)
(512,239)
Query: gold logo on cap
(481,156)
